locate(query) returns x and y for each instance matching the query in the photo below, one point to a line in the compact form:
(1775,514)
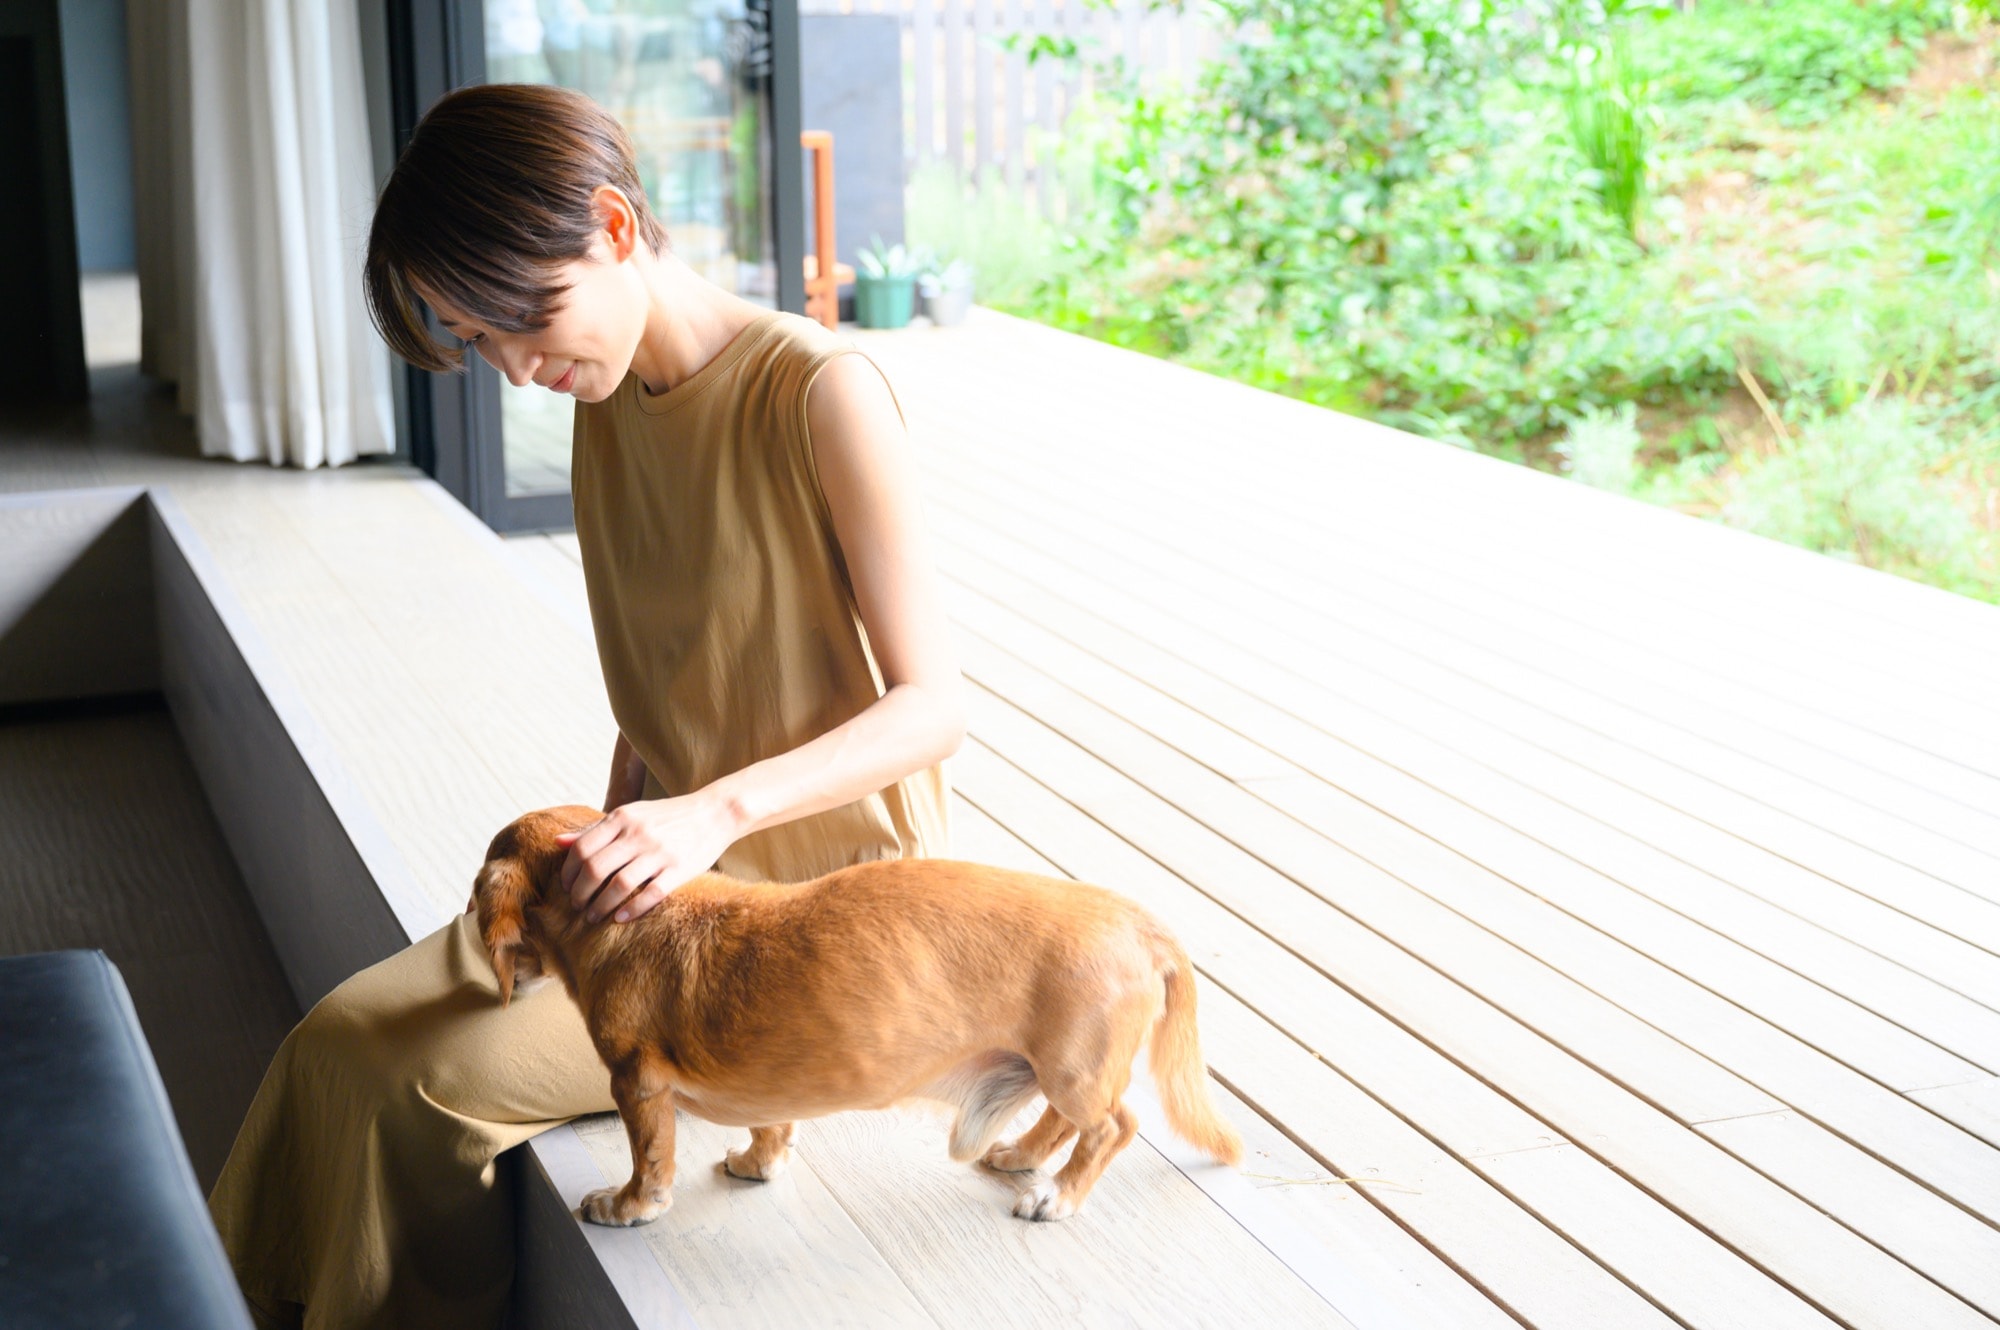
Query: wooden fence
(972,102)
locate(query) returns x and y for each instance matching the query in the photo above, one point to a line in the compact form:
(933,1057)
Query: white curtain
(254,196)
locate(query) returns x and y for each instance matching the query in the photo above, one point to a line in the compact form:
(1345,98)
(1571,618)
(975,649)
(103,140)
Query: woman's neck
(689,320)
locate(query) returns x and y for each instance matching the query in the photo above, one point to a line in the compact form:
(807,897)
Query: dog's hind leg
(1097,1143)
(1088,1093)
(1051,1132)
(645,1099)
(770,1149)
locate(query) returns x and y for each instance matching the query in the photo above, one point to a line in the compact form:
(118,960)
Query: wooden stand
(823,291)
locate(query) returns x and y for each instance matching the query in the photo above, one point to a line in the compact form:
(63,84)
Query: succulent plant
(883,261)
(952,275)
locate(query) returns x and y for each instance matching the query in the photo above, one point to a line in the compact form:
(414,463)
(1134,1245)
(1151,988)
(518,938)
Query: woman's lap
(430,1015)
(363,1182)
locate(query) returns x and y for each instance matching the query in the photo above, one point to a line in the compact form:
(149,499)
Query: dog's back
(934,979)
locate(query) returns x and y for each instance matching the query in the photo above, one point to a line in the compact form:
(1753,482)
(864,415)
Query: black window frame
(451,424)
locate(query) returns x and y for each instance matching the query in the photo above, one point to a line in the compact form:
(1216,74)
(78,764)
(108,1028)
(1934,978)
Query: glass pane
(690,81)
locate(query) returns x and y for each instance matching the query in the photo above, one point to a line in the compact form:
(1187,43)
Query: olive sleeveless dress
(362,1188)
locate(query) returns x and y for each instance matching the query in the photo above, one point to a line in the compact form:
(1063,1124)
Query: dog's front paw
(1043,1201)
(1006,1157)
(623,1207)
(746,1165)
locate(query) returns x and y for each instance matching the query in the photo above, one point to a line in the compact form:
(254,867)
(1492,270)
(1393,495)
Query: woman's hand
(628,862)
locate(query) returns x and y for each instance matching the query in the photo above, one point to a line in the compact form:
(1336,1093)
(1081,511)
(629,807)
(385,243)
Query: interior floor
(106,841)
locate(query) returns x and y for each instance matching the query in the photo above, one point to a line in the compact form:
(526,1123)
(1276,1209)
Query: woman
(773,646)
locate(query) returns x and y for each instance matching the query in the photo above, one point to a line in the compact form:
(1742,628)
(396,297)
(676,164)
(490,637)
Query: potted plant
(885,285)
(946,292)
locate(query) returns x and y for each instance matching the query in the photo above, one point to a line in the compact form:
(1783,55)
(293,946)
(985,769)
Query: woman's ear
(503,891)
(617,219)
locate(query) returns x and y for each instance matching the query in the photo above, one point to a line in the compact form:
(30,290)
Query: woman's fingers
(642,901)
(597,871)
(582,846)
(594,856)
(625,882)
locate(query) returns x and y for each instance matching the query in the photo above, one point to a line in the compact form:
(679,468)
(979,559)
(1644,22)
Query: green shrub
(1407,219)
(1378,220)
(1882,485)
(1892,259)
(1601,448)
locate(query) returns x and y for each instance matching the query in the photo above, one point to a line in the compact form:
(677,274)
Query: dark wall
(853,87)
(41,315)
(24,278)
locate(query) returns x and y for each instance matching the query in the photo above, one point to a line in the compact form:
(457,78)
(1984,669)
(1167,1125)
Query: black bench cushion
(101,1221)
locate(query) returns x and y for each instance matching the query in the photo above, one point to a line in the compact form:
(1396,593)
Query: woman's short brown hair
(489,198)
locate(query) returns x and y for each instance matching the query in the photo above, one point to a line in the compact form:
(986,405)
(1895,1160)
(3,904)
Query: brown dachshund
(757,1005)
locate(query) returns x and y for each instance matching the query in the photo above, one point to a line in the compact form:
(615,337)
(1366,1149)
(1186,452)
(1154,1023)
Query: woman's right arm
(628,775)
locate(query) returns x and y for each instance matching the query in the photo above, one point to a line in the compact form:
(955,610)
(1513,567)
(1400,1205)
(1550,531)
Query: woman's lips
(562,385)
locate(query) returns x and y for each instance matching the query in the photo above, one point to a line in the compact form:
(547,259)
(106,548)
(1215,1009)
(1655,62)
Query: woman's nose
(516,362)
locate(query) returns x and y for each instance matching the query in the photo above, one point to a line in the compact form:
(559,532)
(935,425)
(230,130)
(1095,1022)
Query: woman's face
(587,347)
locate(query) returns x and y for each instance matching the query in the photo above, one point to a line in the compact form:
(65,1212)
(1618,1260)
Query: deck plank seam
(962,460)
(1817,1120)
(1252,789)
(1315,1152)
(1308,435)
(1195,816)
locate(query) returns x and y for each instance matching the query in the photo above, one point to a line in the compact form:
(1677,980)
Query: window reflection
(690,81)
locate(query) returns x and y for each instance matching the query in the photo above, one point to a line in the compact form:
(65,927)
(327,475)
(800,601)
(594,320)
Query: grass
(1605,107)
(1866,423)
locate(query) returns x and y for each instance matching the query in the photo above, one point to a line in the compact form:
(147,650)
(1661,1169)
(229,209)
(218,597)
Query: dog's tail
(1178,1069)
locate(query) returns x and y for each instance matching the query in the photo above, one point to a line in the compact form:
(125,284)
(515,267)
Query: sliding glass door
(691,82)
(708,90)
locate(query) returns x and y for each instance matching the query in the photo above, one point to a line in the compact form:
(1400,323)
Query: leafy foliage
(881,261)
(1877,484)
(1430,212)
(1005,242)
(1607,121)
(1802,59)
(1356,206)
(1601,448)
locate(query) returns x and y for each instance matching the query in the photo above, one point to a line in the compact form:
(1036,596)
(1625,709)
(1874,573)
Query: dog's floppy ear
(504,891)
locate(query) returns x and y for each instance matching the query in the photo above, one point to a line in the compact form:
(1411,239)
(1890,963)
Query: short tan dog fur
(759,1004)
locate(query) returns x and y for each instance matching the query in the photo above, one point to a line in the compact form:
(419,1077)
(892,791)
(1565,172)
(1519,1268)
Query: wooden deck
(1613,896)
(1612,900)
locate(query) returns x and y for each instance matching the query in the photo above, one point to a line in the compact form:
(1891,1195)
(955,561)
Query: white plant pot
(946,306)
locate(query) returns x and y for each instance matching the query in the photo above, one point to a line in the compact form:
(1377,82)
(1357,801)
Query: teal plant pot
(884,302)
